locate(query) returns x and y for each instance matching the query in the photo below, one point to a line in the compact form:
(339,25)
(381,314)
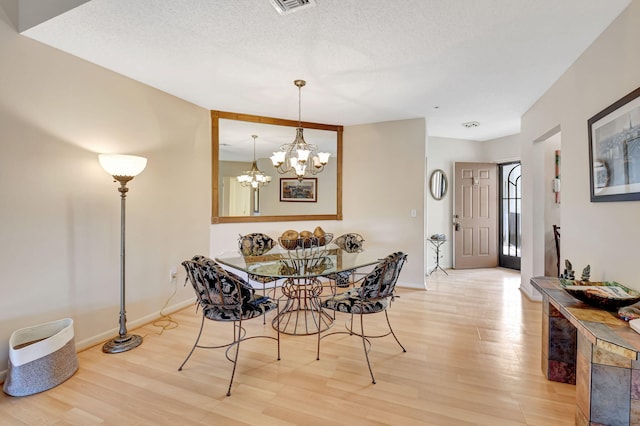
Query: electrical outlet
(173,274)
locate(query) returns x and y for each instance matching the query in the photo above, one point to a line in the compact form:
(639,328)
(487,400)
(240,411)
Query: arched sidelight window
(510,215)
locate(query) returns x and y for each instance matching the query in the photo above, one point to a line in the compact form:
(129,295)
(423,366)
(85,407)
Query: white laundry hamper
(41,357)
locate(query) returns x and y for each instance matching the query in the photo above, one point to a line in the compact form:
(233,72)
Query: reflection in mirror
(438,184)
(232,153)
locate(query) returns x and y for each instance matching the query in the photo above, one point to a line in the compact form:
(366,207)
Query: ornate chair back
(223,295)
(255,244)
(350,242)
(381,282)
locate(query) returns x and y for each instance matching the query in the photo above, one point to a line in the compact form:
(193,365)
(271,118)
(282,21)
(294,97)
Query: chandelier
(299,157)
(254,177)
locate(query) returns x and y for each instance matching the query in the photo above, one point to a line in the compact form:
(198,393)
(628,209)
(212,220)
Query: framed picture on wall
(614,151)
(305,190)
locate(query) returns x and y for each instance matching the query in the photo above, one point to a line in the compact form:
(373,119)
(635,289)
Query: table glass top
(302,263)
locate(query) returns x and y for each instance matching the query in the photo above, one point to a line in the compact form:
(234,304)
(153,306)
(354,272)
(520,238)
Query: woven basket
(41,357)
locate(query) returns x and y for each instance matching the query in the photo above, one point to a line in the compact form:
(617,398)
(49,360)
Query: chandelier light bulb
(324,157)
(303,155)
(278,158)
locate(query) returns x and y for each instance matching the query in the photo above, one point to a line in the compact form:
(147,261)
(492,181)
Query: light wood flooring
(473,358)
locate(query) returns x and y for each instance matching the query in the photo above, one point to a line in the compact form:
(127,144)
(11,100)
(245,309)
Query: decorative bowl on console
(608,295)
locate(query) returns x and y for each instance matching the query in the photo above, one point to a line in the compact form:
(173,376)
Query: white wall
(442,153)
(501,150)
(60,214)
(384,179)
(604,235)
(382,182)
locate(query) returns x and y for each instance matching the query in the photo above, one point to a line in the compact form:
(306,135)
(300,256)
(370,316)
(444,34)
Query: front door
(475,215)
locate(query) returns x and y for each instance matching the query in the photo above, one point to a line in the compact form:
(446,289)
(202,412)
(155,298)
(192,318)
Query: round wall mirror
(438,184)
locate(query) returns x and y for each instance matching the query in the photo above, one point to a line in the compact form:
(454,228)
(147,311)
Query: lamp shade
(122,165)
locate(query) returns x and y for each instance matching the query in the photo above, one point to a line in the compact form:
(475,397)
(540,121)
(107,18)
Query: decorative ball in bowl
(305,241)
(289,239)
(608,295)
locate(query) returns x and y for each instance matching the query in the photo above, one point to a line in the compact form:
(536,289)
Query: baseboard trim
(531,293)
(102,337)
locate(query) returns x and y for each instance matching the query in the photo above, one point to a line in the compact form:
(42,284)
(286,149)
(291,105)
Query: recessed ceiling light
(470,124)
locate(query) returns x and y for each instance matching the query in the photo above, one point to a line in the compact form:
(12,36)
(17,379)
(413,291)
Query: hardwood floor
(473,358)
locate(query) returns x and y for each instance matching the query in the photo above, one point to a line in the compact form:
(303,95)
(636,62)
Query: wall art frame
(614,151)
(294,190)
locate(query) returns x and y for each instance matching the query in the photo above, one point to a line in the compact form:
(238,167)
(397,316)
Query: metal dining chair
(258,244)
(224,296)
(351,243)
(374,295)
(556,237)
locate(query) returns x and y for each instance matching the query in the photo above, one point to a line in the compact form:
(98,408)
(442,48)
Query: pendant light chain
(299,106)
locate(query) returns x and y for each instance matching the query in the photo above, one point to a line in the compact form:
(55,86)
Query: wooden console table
(593,349)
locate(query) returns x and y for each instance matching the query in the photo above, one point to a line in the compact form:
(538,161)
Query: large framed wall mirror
(232,153)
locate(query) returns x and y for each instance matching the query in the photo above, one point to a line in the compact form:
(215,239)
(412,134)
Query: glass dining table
(303,271)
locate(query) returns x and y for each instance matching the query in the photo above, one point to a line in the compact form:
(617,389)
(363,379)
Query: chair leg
(278,326)
(392,333)
(194,345)
(364,346)
(318,346)
(264,294)
(237,339)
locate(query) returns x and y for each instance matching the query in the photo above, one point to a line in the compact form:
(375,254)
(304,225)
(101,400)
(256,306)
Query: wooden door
(475,215)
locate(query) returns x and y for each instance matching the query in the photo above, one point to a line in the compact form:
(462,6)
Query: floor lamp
(123,168)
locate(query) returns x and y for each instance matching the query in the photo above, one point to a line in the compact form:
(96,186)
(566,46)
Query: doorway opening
(510,214)
(551,177)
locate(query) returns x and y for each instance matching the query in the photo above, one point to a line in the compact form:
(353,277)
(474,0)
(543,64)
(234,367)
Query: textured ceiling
(364,61)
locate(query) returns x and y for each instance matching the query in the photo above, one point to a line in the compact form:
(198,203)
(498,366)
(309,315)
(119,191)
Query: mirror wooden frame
(215,169)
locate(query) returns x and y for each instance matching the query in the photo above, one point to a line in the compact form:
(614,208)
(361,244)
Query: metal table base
(302,314)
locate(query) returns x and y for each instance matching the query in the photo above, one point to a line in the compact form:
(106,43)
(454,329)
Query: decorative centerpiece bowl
(608,295)
(310,242)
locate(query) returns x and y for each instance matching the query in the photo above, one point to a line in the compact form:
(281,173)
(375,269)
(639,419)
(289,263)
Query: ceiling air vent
(470,124)
(285,7)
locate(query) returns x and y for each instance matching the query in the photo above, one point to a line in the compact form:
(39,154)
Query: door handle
(456,226)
